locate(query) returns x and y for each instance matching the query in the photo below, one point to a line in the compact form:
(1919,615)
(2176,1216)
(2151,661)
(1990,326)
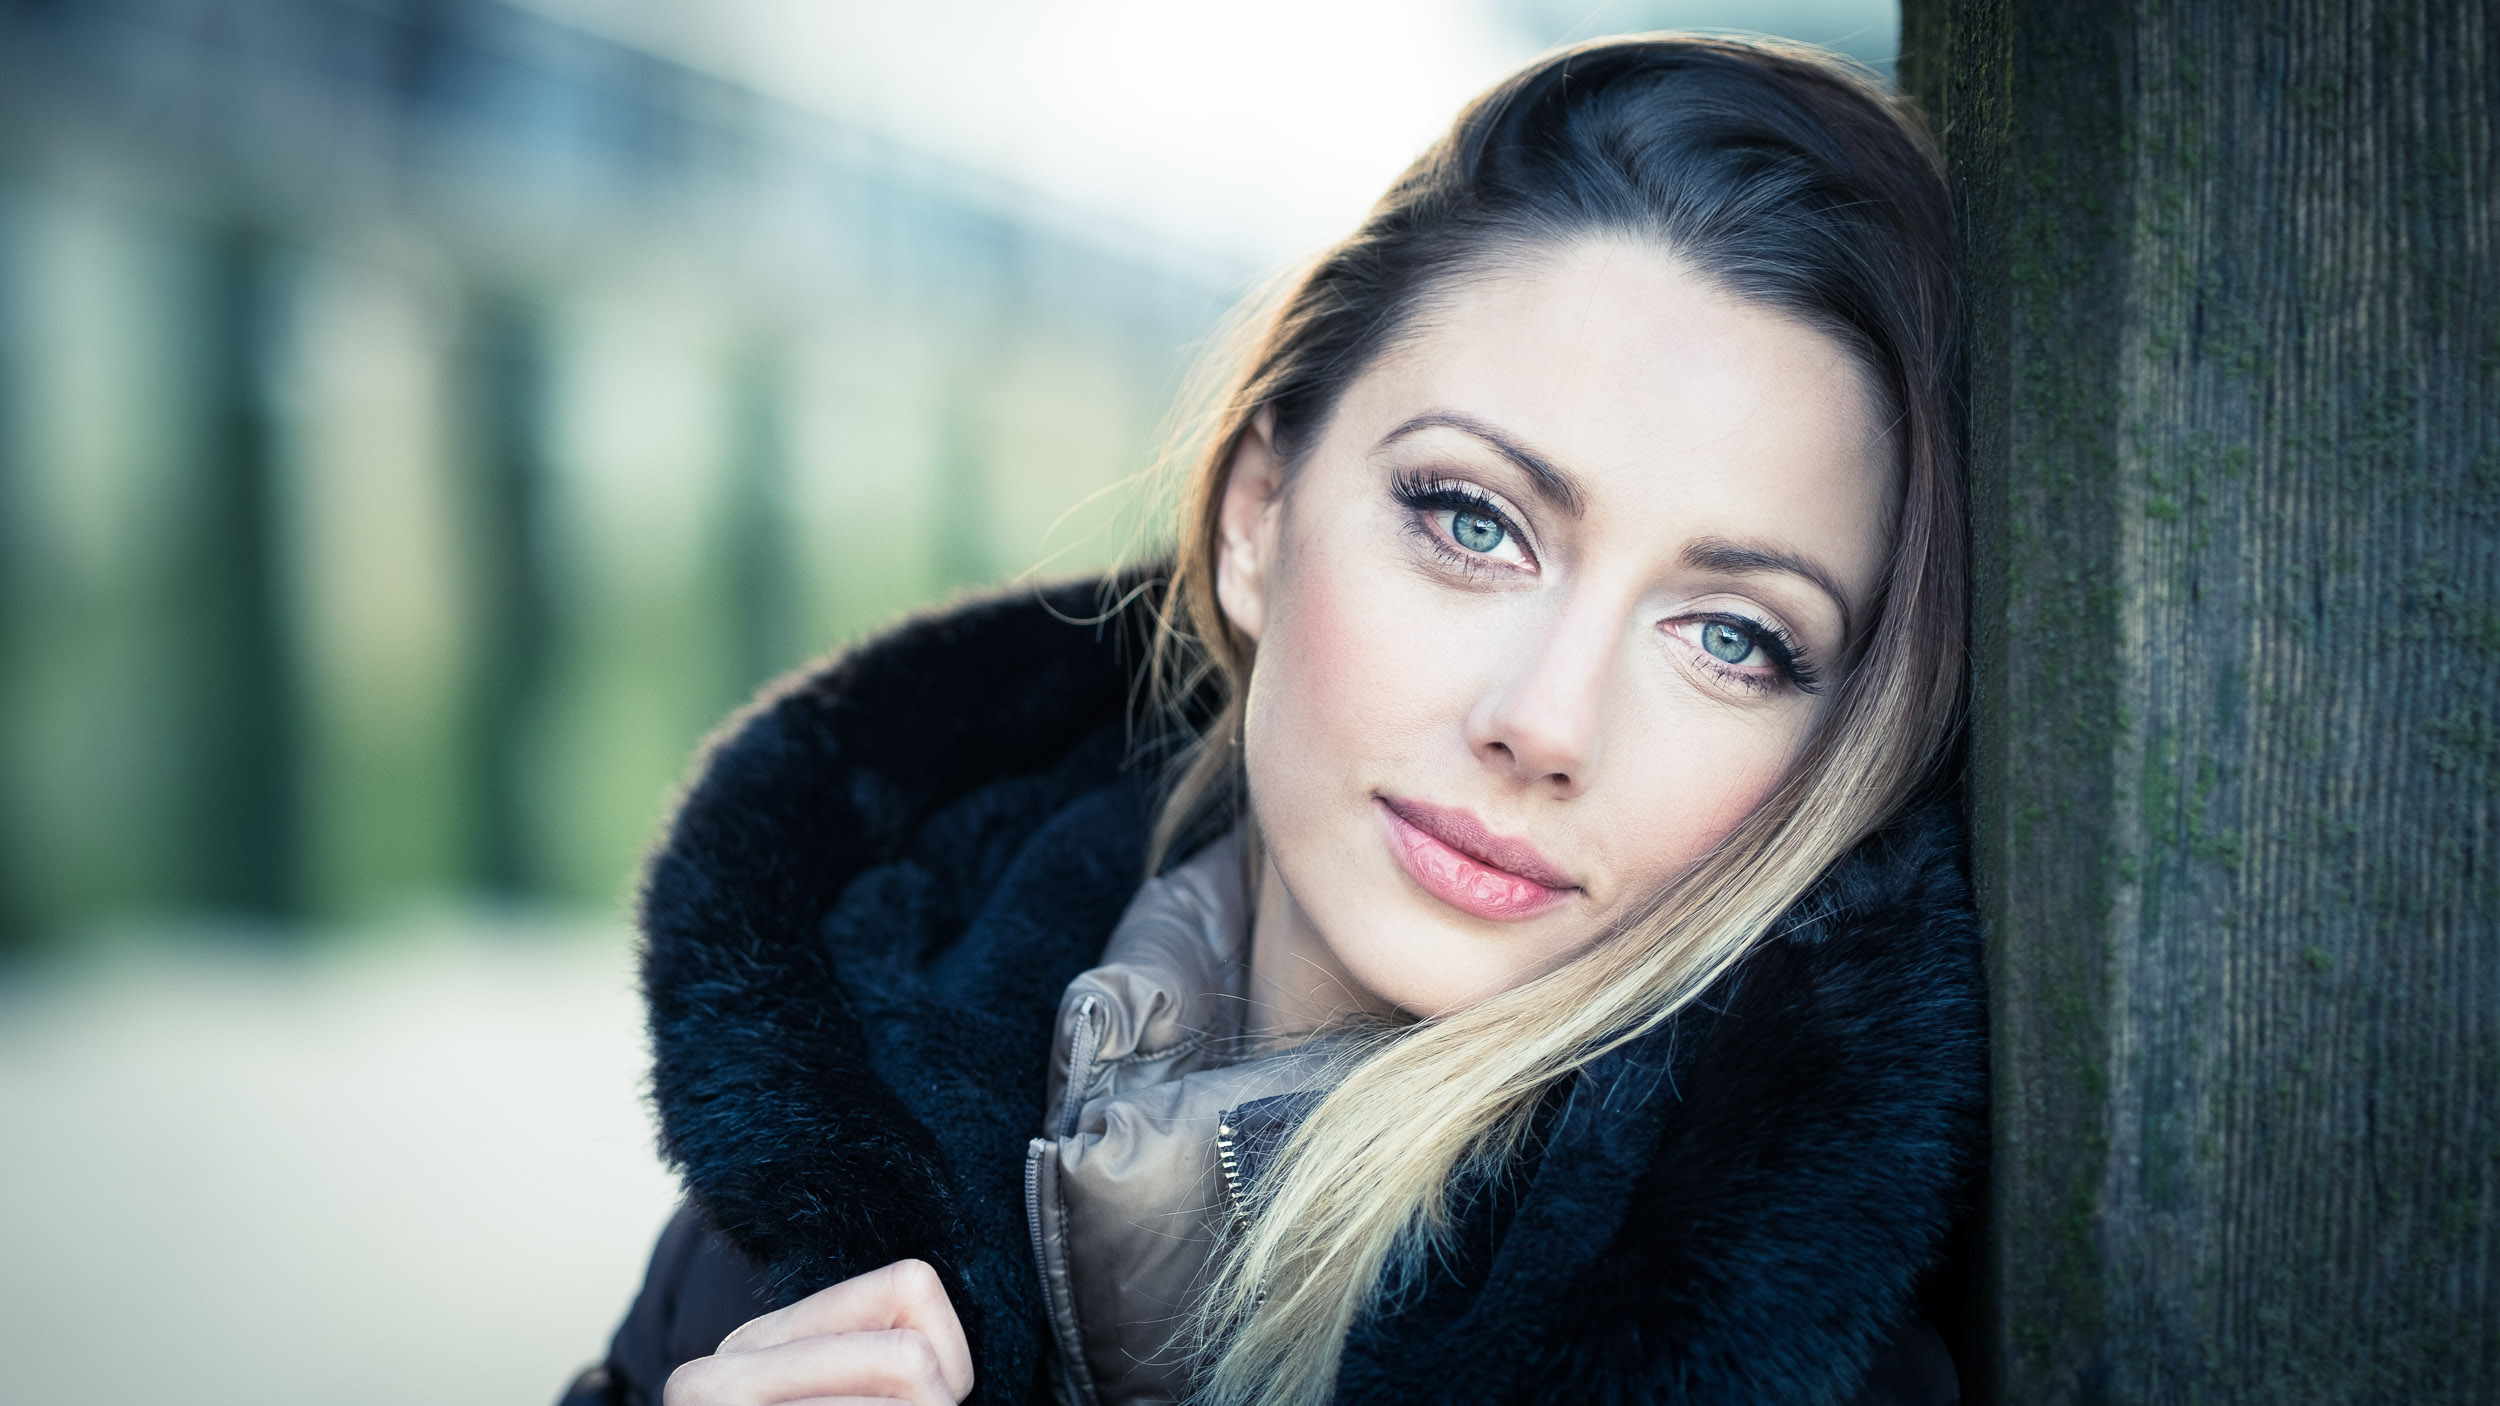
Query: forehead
(1671,400)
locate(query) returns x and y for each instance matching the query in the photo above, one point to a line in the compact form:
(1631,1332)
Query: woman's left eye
(1728,644)
(1758,655)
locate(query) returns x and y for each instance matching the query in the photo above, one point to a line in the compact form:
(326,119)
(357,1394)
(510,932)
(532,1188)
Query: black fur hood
(860,921)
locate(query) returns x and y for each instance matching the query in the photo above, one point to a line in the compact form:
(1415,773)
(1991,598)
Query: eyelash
(1788,658)
(1423,495)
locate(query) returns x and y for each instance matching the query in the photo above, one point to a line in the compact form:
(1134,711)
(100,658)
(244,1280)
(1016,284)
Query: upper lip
(1463,832)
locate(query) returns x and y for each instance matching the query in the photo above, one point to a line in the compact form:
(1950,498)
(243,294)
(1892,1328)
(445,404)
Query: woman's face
(1550,607)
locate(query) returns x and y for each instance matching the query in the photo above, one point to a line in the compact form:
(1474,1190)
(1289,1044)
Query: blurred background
(420,422)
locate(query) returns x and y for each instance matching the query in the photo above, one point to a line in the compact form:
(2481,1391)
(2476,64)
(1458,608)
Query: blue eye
(1476,532)
(1726,643)
(1461,525)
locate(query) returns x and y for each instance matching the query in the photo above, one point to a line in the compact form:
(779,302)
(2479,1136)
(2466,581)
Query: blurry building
(420,420)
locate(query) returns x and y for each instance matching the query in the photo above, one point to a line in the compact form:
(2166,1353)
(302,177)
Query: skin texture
(1544,697)
(1556,687)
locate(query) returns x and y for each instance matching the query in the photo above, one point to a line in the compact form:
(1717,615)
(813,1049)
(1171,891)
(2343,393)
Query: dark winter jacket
(857,931)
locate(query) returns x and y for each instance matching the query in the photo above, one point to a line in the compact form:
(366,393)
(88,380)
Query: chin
(1429,963)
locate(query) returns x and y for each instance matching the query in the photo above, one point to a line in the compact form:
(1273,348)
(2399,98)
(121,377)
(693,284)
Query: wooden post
(2234,321)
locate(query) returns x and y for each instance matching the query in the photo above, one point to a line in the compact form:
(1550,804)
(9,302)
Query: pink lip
(1457,860)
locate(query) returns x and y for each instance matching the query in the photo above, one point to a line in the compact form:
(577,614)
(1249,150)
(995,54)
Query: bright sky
(1250,131)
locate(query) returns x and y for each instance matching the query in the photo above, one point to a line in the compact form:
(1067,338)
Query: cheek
(1685,781)
(1345,684)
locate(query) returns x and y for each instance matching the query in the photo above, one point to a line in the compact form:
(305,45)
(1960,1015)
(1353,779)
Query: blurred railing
(420,420)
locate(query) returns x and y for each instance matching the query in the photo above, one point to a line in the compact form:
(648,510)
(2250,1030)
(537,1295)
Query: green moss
(2465,743)
(2480,630)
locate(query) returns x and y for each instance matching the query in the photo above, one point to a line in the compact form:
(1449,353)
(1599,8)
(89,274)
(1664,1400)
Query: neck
(1297,985)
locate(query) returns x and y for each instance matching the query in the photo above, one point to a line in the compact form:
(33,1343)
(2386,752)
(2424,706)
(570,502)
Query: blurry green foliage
(420,425)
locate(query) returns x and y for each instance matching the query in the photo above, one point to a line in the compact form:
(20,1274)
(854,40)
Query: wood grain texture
(2235,322)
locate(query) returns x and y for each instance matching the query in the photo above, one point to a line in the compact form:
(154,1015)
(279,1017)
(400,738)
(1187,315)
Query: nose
(1538,722)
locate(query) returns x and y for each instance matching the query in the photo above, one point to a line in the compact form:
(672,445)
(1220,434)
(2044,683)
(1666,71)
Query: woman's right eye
(1476,532)
(1460,523)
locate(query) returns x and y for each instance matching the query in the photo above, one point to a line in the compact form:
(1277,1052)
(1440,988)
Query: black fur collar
(860,921)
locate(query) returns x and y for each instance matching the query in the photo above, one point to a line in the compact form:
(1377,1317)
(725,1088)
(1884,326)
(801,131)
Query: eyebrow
(1553,483)
(1746,559)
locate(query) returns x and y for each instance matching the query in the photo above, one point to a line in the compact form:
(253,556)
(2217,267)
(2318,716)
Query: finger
(896,1365)
(865,1303)
(904,1294)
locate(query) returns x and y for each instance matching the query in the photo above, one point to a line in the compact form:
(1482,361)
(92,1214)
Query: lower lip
(1465,883)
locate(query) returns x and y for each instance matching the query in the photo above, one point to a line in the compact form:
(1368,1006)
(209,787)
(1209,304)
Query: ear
(1246,526)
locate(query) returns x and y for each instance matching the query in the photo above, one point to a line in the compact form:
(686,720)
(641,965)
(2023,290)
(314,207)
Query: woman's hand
(888,1335)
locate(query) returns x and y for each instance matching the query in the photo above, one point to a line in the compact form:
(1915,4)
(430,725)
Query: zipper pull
(1084,1047)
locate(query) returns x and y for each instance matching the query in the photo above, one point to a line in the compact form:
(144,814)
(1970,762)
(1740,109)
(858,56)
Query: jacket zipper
(1083,1049)
(1061,1333)
(1034,1152)
(1227,1154)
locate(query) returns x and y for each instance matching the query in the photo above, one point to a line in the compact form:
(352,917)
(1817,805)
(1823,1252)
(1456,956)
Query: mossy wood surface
(2235,339)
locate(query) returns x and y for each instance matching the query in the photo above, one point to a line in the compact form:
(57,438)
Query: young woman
(1558,985)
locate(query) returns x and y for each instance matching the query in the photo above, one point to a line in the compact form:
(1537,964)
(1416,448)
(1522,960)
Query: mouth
(1453,856)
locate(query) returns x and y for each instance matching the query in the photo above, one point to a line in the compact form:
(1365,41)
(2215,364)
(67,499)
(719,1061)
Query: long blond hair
(1792,180)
